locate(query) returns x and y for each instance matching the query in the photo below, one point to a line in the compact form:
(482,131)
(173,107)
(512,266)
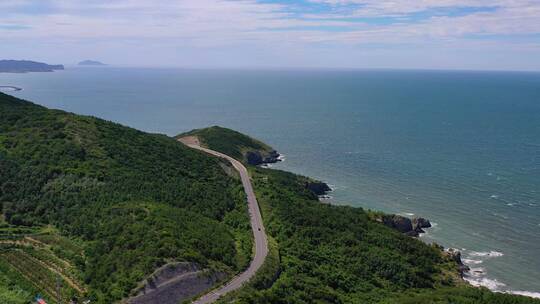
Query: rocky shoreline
(455,255)
(413,227)
(405,225)
(256,158)
(410,227)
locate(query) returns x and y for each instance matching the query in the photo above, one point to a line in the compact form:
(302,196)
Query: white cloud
(400,7)
(204,18)
(249,24)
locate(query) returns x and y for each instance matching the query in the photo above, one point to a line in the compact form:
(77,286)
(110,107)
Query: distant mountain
(91,62)
(24,66)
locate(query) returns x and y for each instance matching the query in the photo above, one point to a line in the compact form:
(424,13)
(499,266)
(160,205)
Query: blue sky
(443,34)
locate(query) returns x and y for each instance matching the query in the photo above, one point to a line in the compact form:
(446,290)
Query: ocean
(460,148)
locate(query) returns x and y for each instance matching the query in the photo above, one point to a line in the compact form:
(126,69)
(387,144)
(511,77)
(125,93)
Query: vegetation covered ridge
(341,254)
(101,206)
(120,204)
(235,144)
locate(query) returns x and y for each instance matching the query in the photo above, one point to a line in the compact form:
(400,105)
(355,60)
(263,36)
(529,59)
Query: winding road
(261,243)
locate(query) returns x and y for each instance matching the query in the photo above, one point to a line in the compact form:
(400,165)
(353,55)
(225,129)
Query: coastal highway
(261,243)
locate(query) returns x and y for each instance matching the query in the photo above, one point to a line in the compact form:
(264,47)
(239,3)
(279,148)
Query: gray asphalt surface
(261,243)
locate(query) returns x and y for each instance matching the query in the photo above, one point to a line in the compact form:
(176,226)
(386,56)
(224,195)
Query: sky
(419,34)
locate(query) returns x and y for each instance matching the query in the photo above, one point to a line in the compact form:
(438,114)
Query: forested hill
(99,206)
(119,202)
(338,254)
(235,144)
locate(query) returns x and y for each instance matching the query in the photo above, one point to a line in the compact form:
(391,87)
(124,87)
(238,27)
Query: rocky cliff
(405,225)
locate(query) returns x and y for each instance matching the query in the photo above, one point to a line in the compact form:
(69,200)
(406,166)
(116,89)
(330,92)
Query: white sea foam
(511,204)
(494,196)
(491,254)
(472,262)
(281,157)
(477,277)
(491,284)
(476,272)
(525,293)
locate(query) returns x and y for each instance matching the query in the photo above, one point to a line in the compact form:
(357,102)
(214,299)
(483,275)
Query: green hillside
(131,201)
(230,142)
(97,207)
(340,254)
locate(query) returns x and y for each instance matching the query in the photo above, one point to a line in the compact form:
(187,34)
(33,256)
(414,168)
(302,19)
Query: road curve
(259,234)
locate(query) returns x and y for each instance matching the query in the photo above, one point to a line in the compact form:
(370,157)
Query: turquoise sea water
(460,148)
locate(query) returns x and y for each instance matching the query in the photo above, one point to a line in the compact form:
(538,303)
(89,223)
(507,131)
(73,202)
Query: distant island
(91,63)
(25,66)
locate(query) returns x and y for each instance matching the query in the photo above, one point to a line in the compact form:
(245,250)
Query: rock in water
(405,225)
(400,223)
(319,188)
(421,222)
(273,157)
(418,223)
